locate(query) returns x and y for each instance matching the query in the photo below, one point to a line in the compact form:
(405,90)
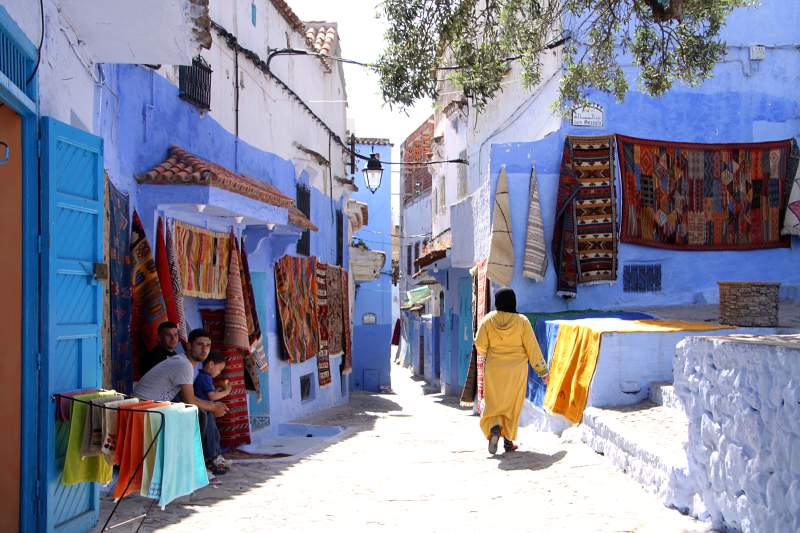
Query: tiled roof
(430,258)
(291,17)
(374,141)
(182,168)
(321,37)
(297,218)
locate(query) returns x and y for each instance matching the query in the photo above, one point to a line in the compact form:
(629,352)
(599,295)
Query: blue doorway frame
(25,102)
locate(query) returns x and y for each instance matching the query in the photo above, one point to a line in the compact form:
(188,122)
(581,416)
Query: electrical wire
(39,50)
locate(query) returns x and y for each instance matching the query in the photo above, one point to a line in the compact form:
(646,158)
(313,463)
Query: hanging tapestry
(214,324)
(501,246)
(119,258)
(148,309)
(236,327)
(335,296)
(180,313)
(323,359)
(347,342)
(791,221)
(164,275)
(472,393)
(202,261)
(689,196)
(535,263)
(585,236)
(258,356)
(296,287)
(234,426)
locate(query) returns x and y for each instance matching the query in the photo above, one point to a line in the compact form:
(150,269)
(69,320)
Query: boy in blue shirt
(205,389)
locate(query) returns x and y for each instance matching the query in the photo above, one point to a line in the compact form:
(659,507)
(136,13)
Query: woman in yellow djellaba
(507,340)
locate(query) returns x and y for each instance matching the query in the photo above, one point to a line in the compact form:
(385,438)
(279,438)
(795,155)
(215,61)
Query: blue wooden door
(464,328)
(72,306)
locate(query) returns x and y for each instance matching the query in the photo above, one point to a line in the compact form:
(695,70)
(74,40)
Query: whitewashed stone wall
(743,404)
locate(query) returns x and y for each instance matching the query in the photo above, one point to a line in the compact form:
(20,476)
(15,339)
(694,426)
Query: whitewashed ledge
(741,394)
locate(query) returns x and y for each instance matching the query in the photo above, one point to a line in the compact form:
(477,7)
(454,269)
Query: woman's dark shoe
(494,438)
(509,446)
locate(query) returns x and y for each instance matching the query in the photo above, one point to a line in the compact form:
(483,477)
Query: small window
(194,83)
(304,205)
(409,258)
(416,252)
(253,13)
(642,278)
(369,319)
(339,238)
(307,391)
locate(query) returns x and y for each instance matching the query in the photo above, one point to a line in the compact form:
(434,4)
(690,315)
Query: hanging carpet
(501,246)
(120,301)
(202,261)
(234,426)
(688,196)
(180,313)
(236,320)
(296,288)
(148,309)
(791,220)
(472,393)
(335,295)
(323,358)
(534,264)
(584,239)
(347,360)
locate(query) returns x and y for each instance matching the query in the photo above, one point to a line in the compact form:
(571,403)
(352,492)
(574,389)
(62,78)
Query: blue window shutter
(72,304)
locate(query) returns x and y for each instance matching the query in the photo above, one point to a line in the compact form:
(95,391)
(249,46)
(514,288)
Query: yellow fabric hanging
(76,469)
(575,357)
(509,344)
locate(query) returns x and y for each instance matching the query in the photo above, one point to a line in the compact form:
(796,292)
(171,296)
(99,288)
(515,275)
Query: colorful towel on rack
(323,359)
(92,444)
(131,448)
(689,196)
(234,427)
(501,247)
(585,236)
(120,300)
(202,261)
(257,350)
(296,287)
(472,393)
(214,324)
(77,469)
(177,291)
(148,309)
(575,357)
(347,341)
(110,425)
(335,295)
(535,263)
(164,273)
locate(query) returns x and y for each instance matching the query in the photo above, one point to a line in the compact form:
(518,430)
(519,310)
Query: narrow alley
(379,476)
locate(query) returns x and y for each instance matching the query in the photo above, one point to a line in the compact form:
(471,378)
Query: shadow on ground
(359,415)
(525,460)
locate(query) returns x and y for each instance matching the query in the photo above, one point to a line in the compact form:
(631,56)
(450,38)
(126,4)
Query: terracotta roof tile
(430,258)
(297,218)
(182,168)
(289,15)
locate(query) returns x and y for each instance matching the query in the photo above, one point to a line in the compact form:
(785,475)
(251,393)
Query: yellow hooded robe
(508,342)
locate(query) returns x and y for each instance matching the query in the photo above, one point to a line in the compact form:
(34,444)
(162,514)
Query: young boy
(204,389)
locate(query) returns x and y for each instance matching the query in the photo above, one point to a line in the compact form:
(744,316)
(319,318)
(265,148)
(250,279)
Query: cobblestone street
(416,462)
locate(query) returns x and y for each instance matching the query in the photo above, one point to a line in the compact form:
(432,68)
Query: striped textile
(259,356)
(347,363)
(335,295)
(501,247)
(202,261)
(323,358)
(236,320)
(180,313)
(164,275)
(473,385)
(535,263)
(296,288)
(234,427)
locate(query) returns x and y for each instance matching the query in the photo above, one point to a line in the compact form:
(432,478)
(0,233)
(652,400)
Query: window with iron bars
(409,259)
(304,205)
(194,83)
(339,238)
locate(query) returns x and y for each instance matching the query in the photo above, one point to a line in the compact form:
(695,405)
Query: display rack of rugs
(156,445)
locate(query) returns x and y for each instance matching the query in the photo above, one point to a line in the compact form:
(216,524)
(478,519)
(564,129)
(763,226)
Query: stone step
(646,441)
(663,393)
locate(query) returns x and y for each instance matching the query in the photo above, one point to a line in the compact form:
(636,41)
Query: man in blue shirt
(205,389)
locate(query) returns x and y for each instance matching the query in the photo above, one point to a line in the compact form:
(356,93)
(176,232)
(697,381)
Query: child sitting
(204,389)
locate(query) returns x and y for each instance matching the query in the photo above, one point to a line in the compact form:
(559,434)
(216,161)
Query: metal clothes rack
(144,456)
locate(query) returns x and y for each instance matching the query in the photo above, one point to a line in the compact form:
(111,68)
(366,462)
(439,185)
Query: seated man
(176,374)
(167,342)
(205,389)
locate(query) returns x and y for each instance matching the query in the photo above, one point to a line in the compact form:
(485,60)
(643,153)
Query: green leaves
(473,43)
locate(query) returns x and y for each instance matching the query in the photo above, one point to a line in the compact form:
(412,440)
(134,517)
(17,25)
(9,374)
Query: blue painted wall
(140,115)
(371,343)
(746,101)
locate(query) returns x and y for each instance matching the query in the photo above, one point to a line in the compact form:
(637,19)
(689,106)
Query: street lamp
(373,172)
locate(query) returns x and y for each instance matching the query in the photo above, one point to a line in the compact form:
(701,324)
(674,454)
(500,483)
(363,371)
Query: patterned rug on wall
(584,239)
(703,196)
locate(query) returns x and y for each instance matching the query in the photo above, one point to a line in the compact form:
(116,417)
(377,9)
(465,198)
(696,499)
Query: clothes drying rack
(139,466)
